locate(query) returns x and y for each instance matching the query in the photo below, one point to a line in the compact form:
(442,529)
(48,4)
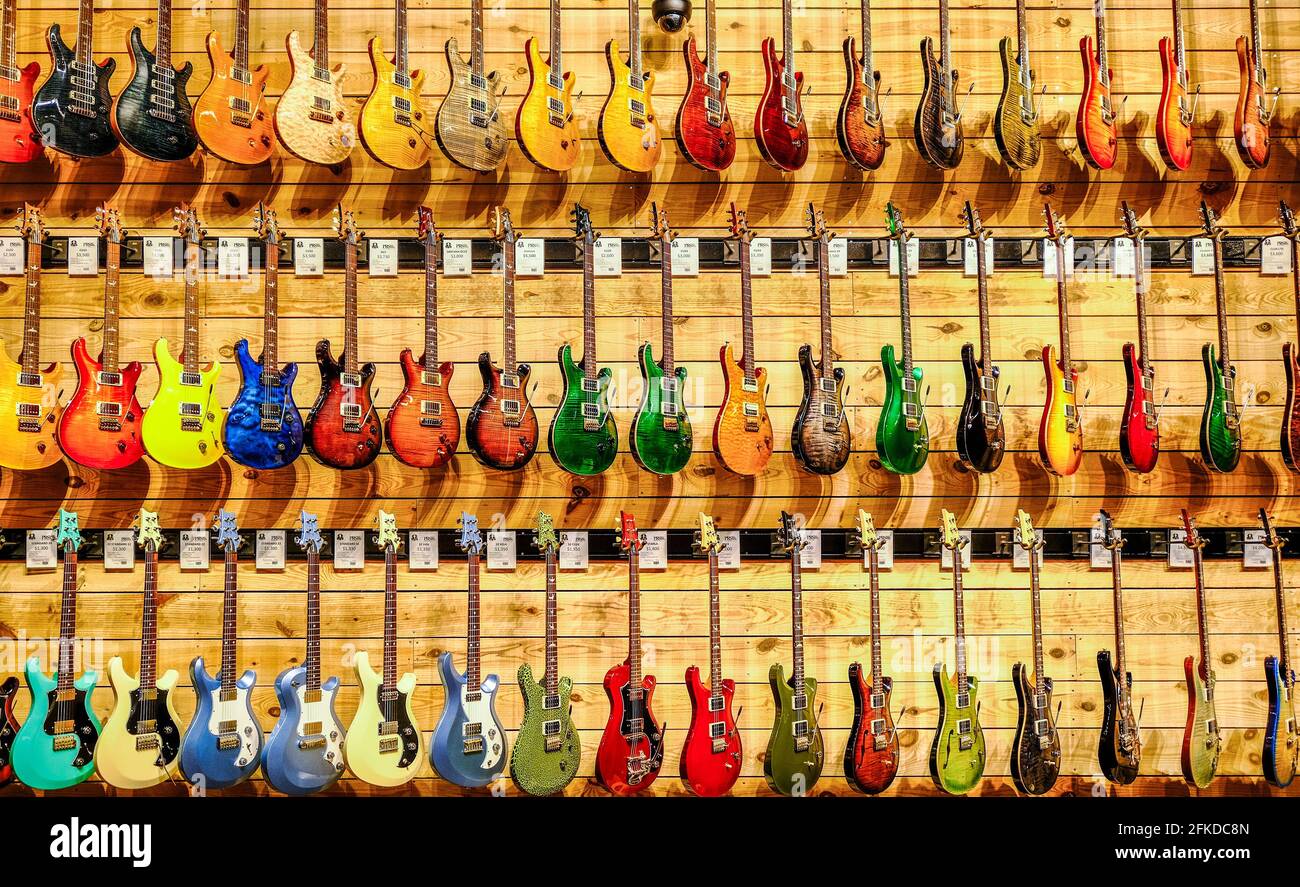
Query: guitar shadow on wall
(231,189)
(120,491)
(79,186)
(32,182)
(1070,185)
(1259,189)
(466,194)
(405,191)
(317,192)
(153,188)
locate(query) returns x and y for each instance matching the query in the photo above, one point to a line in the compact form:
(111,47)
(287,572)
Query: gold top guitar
(394,126)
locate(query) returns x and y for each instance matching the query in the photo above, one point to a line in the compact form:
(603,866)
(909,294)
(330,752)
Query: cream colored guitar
(312,119)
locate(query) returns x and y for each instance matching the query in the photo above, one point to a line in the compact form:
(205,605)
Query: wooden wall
(918,610)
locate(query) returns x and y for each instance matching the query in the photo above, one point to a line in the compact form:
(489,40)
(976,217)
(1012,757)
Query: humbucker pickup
(830,411)
(963,726)
(509,380)
(555,105)
(750,385)
(911,410)
(1148,382)
(1212,728)
(668,384)
(189,408)
(555,79)
(551,701)
(827,384)
(591,386)
(431,377)
(717,728)
(551,728)
(402,104)
(110,380)
(1040,701)
(877,726)
(909,383)
(877,701)
(1043,731)
(802,740)
(751,410)
(670,407)
(799,701)
(240,105)
(350,380)
(510,407)
(27,410)
(963,700)
(591,410)
(478,106)
(194,380)
(712,105)
(472,728)
(350,410)
(108,408)
(1068,384)
(29,380)
(717,703)
(430,408)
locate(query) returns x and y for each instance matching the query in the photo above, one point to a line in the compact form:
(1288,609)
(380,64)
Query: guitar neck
(715,627)
(472,657)
(877,670)
(320,51)
(589,309)
(112,303)
(746,313)
(868,55)
(1022,38)
(796,618)
(1180,56)
(68,620)
(241,36)
(1295,276)
(959,620)
(163,46)
(557,64)
(634,617)
(710,40)
(31,358)
(1036,603)
(476,36)
(508,307)
(945,51)
(149,622)
(552,628)
(431,304)
(390,618)
(905,303)
(666,302)
(787,47)
(982,286)
(824,282)
(1284,636)
(1141,285)
(1255,43)
(193,267)
(313,622)
(1063,306)
(10,58)
(400,57)
(634,40)
(1221,305)
(271,309)
(1202,622)
(1103,64)
(85,32)
(350,308)
(1118,598)
(229,623)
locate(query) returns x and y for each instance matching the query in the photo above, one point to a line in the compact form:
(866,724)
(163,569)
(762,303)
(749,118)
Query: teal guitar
(1221,418)
(55,747)
(661,431)
(584,438)
(902,435)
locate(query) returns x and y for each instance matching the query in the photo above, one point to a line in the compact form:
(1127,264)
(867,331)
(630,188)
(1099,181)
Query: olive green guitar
(902,435)
(547,750)
(1221,418)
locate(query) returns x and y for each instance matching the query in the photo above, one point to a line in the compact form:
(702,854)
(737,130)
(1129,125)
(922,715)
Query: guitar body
(89,439)
(27,450)
(787,769)
(707,145)
(35,761)
(657,448)
(549,139)
(614,750)
(629,147)
(449,749)
(957,752)
(327,439)
(1095,124)
(816,447)
(1249,126)
(861,135)
(243,436)
(782,141)
(710,763)
(417,438)
(1281,742)
(1015,129)
(1201,745)
(395,764)
(871,756)
(204,761)
(143,131)
(1220,436)
(577,449)
(165,438)
(476,141)
(304,753)
(8,728)
(979,447)
(1173,117)
(1139,435)
(245,137)
(125,755)
(311,118)
(1060,437)
(1036,750)
(901,449)
(534,768)
(497,440)
(396,144)
(60,127)
(742,431)
(1291,419)
(1118,749)
(937,132)
(19,141)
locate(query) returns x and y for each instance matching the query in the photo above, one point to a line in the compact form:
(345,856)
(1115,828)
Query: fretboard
(877,670)
(312,662)
(1103,64)
(945,53)
(85,33)
(271,309)
(1255,39)
(868,54)
(746,314)
(112,269)
(1221,305)
(390,618)
(1036,603)
(715,627)
(241,36)
(508,307)
(788,83)
(905,303)
(476,36)
(400,57)
(229,623)
(1284,636)
(149,622)
(959,620)
(589,309)
(710,41)
(1117,586)
(10,60)
(32,310)
(796,618)
(163,48)
(68,620)
(431,304)
(1295,277)
(472,656)
(1180,56)
(1202,619)
(193,268)
(557,63)
(666,300)
(634,617)
(320,51)
(982,286)
(552,679)
(350,307)
(634,39)
(824,282)
(1142,284)
(1022,39)
(1063,306)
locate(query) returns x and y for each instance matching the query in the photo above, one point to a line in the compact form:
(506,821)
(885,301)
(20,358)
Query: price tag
(422,550)
(760,257)
(1275,255)
(232,258)
(157,253)
(885,556)
(530,257)
(1202,256)
(913,258)
(1099,556)
(1180,556)
(501,550)
(42,554)
(729,552)
(119,550)
(573,550)
(456,258)
(970,261)
(308,257)
(1020,557)
(349,549)
(810,555)
(686,257)
(13,258)
(1123,257)
(381,257)
(945,556)
(194,550)
(1255,555)
(83,256)
(270,550)
(1049,257)
(608,260)
(654,550)
(837,255)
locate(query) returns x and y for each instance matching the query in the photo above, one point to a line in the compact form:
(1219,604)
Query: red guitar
(779,125)
(19,142)
(712,755)
(1139,432)
(632,747)
(1174,118)
(502,427)
(100,428)
(423,426)
(705,133)
(1251,119)
(1095,124)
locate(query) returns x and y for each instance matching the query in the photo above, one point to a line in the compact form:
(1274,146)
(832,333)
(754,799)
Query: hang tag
(1202,256)
(1255,555)
(195,550)
(13,258)
(686,257)
(729,551)
(810,555)
(913,257)
(42,553)
(654,550)
(349,549)
(885,555)
(837,257)
(573,549)
(1099,556)
(1123,257)
(232,258)
(381,257)
(945,555)
(501,550)
(1275,255)
(270,550)
(1180,556)
(83,256)
(308,257)
(1019,556)
(608,259)
(119,550)
(422,550)
(457,260)
(530,257)
(760,257)
(158,253)
(1049,257)
(970,260)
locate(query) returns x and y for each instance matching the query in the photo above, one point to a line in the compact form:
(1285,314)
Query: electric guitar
(712,756)
(1119,747)
(871,756)
(548,750)
(152,114)
(957,753)
(423,426)
(100,427)
(1281,739)
(627,127)
(859,125)
(1221,418)
(141,742)
(631,749)
(821,438)
(1095,123)
(304,753)
(502,426)
(779,125)
(1139,431)
(981,433)
(312,118)
(1201,740)
(584,436)
(468,746)
(937,127)
(1175,115)
(384,745)
(742,431)
(342,428)
(1036,749)
(230,115)
(394,125)
(19,141)
(1251,120)
(8,723)
(55,746)
(263,428)
(72,108)
(1060,433)
(1015,123)
(469,127)
(706,135)
(902,434)
(662,438)
(223,743)
(1290,351)
(29,394)
(182,427)
(546,128)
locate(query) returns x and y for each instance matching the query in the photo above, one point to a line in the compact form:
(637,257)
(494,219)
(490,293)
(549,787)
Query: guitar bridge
(64,743)
(147,743)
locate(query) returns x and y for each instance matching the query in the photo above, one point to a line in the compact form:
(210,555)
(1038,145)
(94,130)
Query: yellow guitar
(29,395)
(393,120)
(312,119)
(1060,433)
(629,129)
(545,127)
(182,427)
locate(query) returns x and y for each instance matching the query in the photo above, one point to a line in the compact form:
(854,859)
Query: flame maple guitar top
(400,145)
(34,449)
(480,146)
(302,135)
(214,119)
(630,147)
(552,147)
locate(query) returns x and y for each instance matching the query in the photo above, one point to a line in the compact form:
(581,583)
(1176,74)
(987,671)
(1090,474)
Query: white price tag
(422,550)
(1049,257)
(381,257)
(194,550)
(308,257)
(270,550)
(573,550)
(1275,255)
(1255,555)
(42,554)
(83,256)
(119,550)
(13,258)
(1099,556)
(885,556)
(654,550)
(837,256)
(1123,257)
(1019,556)
(457,260)
(158,253)
(608,260)
(760,257)
(729,552)
(913,258)
(945,556)
(530,257)
(232,258)
(970,260)
(1180,556)
(349,549)
(501,550)
(1202,256)
(686,257)
(810,555)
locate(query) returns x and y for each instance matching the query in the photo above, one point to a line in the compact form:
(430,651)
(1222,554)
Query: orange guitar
(18,140)
(1095,124)
(230,116)
(1252,119)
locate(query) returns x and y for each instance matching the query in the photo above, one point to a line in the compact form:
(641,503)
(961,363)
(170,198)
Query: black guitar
(152,116)
(937,128)
(1036,752)
(71,109)
(1119,751)
(981,438)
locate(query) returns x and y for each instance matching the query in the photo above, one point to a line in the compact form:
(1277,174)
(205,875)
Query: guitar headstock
(952,538)
(186,220)
(68,537)
(789,539)
(470,540)
(227,532)
(265,223)
(1271,538)
(546,538)
(147,533)
(582,230)
(387,537)
(706,537)
(1028,537)
(1210,222)
(345,226)
(109,222)
(1192,539)
(895,220)
(308,538)
(740,224)
(1131,227)
(973,223)
(426,232)
(1110,539)
(1056,230)
(816,222)
(629,538)
(503,229)
(1288,220)
(31,224)
(867,536)
(660,225)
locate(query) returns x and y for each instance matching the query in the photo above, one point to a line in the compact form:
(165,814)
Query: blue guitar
(263,428)
(469,744)
(55,746)
(305,751)
(222,746)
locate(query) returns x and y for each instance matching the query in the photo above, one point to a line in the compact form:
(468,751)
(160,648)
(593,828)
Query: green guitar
(661,431)
(957,752)
(547,750)
(902,436)
(1221,418)
(794,749)
(584,438)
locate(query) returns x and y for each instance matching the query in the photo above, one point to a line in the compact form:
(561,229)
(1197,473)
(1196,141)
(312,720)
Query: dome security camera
(671,15)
